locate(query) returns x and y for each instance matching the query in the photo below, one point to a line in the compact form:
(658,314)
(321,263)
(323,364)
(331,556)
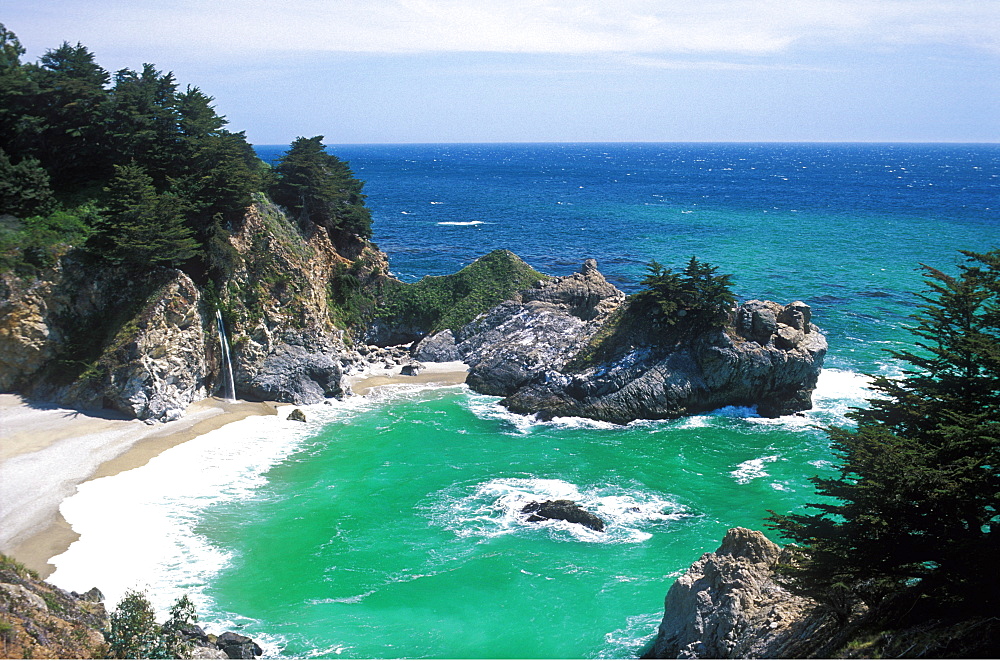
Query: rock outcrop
(101,338)
(562,510)
(522,341)
(728,606)
(39,620)
(529,351)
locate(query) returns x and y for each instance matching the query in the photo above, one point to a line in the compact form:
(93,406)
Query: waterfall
(229,393)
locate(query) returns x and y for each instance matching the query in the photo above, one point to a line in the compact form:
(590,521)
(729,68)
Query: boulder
(295,374)
(411,369)
(297,415)
(563,510)
(238,647)
(437,348)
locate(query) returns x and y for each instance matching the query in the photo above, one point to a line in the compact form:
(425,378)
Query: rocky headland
(573,346)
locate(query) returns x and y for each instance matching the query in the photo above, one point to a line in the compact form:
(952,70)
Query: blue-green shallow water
(394,531)
(386,527)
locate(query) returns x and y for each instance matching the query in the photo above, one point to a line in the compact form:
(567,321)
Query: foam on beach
(138,528)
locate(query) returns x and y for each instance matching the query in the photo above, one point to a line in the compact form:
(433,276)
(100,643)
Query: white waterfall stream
(229,388)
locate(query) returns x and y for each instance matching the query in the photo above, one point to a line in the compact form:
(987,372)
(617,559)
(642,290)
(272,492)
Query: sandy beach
(445,374)
(47,451)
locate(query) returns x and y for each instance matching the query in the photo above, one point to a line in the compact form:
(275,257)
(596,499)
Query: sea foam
(493,508)
(138,528)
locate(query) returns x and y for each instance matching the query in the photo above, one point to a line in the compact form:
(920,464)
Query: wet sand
(46,451)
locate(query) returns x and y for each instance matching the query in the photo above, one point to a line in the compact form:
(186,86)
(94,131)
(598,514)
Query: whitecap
(460,224)
(752,469)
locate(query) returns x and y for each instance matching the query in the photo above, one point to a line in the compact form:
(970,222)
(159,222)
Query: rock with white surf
(527,350)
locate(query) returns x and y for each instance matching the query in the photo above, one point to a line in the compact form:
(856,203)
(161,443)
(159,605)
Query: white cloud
(741,27)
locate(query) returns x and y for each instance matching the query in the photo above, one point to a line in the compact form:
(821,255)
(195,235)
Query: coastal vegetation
(436,303)
(910,530)
(670,308)
(133,632)
(132,171)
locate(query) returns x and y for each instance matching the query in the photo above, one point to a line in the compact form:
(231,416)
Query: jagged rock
(584,294)
(93,594)
(437,348)
(412,369)
(564,510)
(526,349)
(207,652)
(295,374)
(43,621)
(238,647)
(728,606)
(538,332)
(297,415)
(162,368)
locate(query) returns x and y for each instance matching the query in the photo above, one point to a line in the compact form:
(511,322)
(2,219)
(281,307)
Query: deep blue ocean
(387,526)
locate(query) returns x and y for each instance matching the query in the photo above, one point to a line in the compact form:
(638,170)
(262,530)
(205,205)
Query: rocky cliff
(728,606)
(89,336)
(41,621)
(568,347)
(100,338)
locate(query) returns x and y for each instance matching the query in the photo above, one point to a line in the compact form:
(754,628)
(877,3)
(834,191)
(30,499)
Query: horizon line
(649,142)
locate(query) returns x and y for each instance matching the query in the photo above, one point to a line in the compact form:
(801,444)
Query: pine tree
(684,304)
(139,226)
(320,188)
(914,515)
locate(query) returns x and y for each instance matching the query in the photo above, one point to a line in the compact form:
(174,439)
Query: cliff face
(92,336)
(533,350)
(278,304)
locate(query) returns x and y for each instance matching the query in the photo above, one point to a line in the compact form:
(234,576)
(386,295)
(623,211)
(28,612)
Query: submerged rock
(563,510)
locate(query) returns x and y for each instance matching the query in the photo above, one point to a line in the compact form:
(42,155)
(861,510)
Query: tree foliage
(914,515)
(133,632)
(67,130)
(687,303)
(141,226)
(318,187)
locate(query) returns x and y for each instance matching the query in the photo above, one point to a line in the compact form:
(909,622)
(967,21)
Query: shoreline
(48,451)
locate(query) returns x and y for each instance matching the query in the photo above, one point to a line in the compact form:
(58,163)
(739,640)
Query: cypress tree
(914,515)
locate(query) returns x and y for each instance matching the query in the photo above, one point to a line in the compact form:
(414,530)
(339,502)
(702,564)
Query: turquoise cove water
(387,526)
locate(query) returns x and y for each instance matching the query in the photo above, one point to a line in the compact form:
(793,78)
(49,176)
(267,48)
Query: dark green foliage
(37,241)
(685,304)
(67,128)
(913,520)
(320,188)
(24,188)
(351,302)
(141,227)
(134,633)
(451,301)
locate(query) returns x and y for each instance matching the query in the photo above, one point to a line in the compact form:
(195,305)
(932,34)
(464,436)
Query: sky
(430,71)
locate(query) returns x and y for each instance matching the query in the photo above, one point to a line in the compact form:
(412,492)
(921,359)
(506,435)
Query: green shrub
(134,634)
(451,301)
